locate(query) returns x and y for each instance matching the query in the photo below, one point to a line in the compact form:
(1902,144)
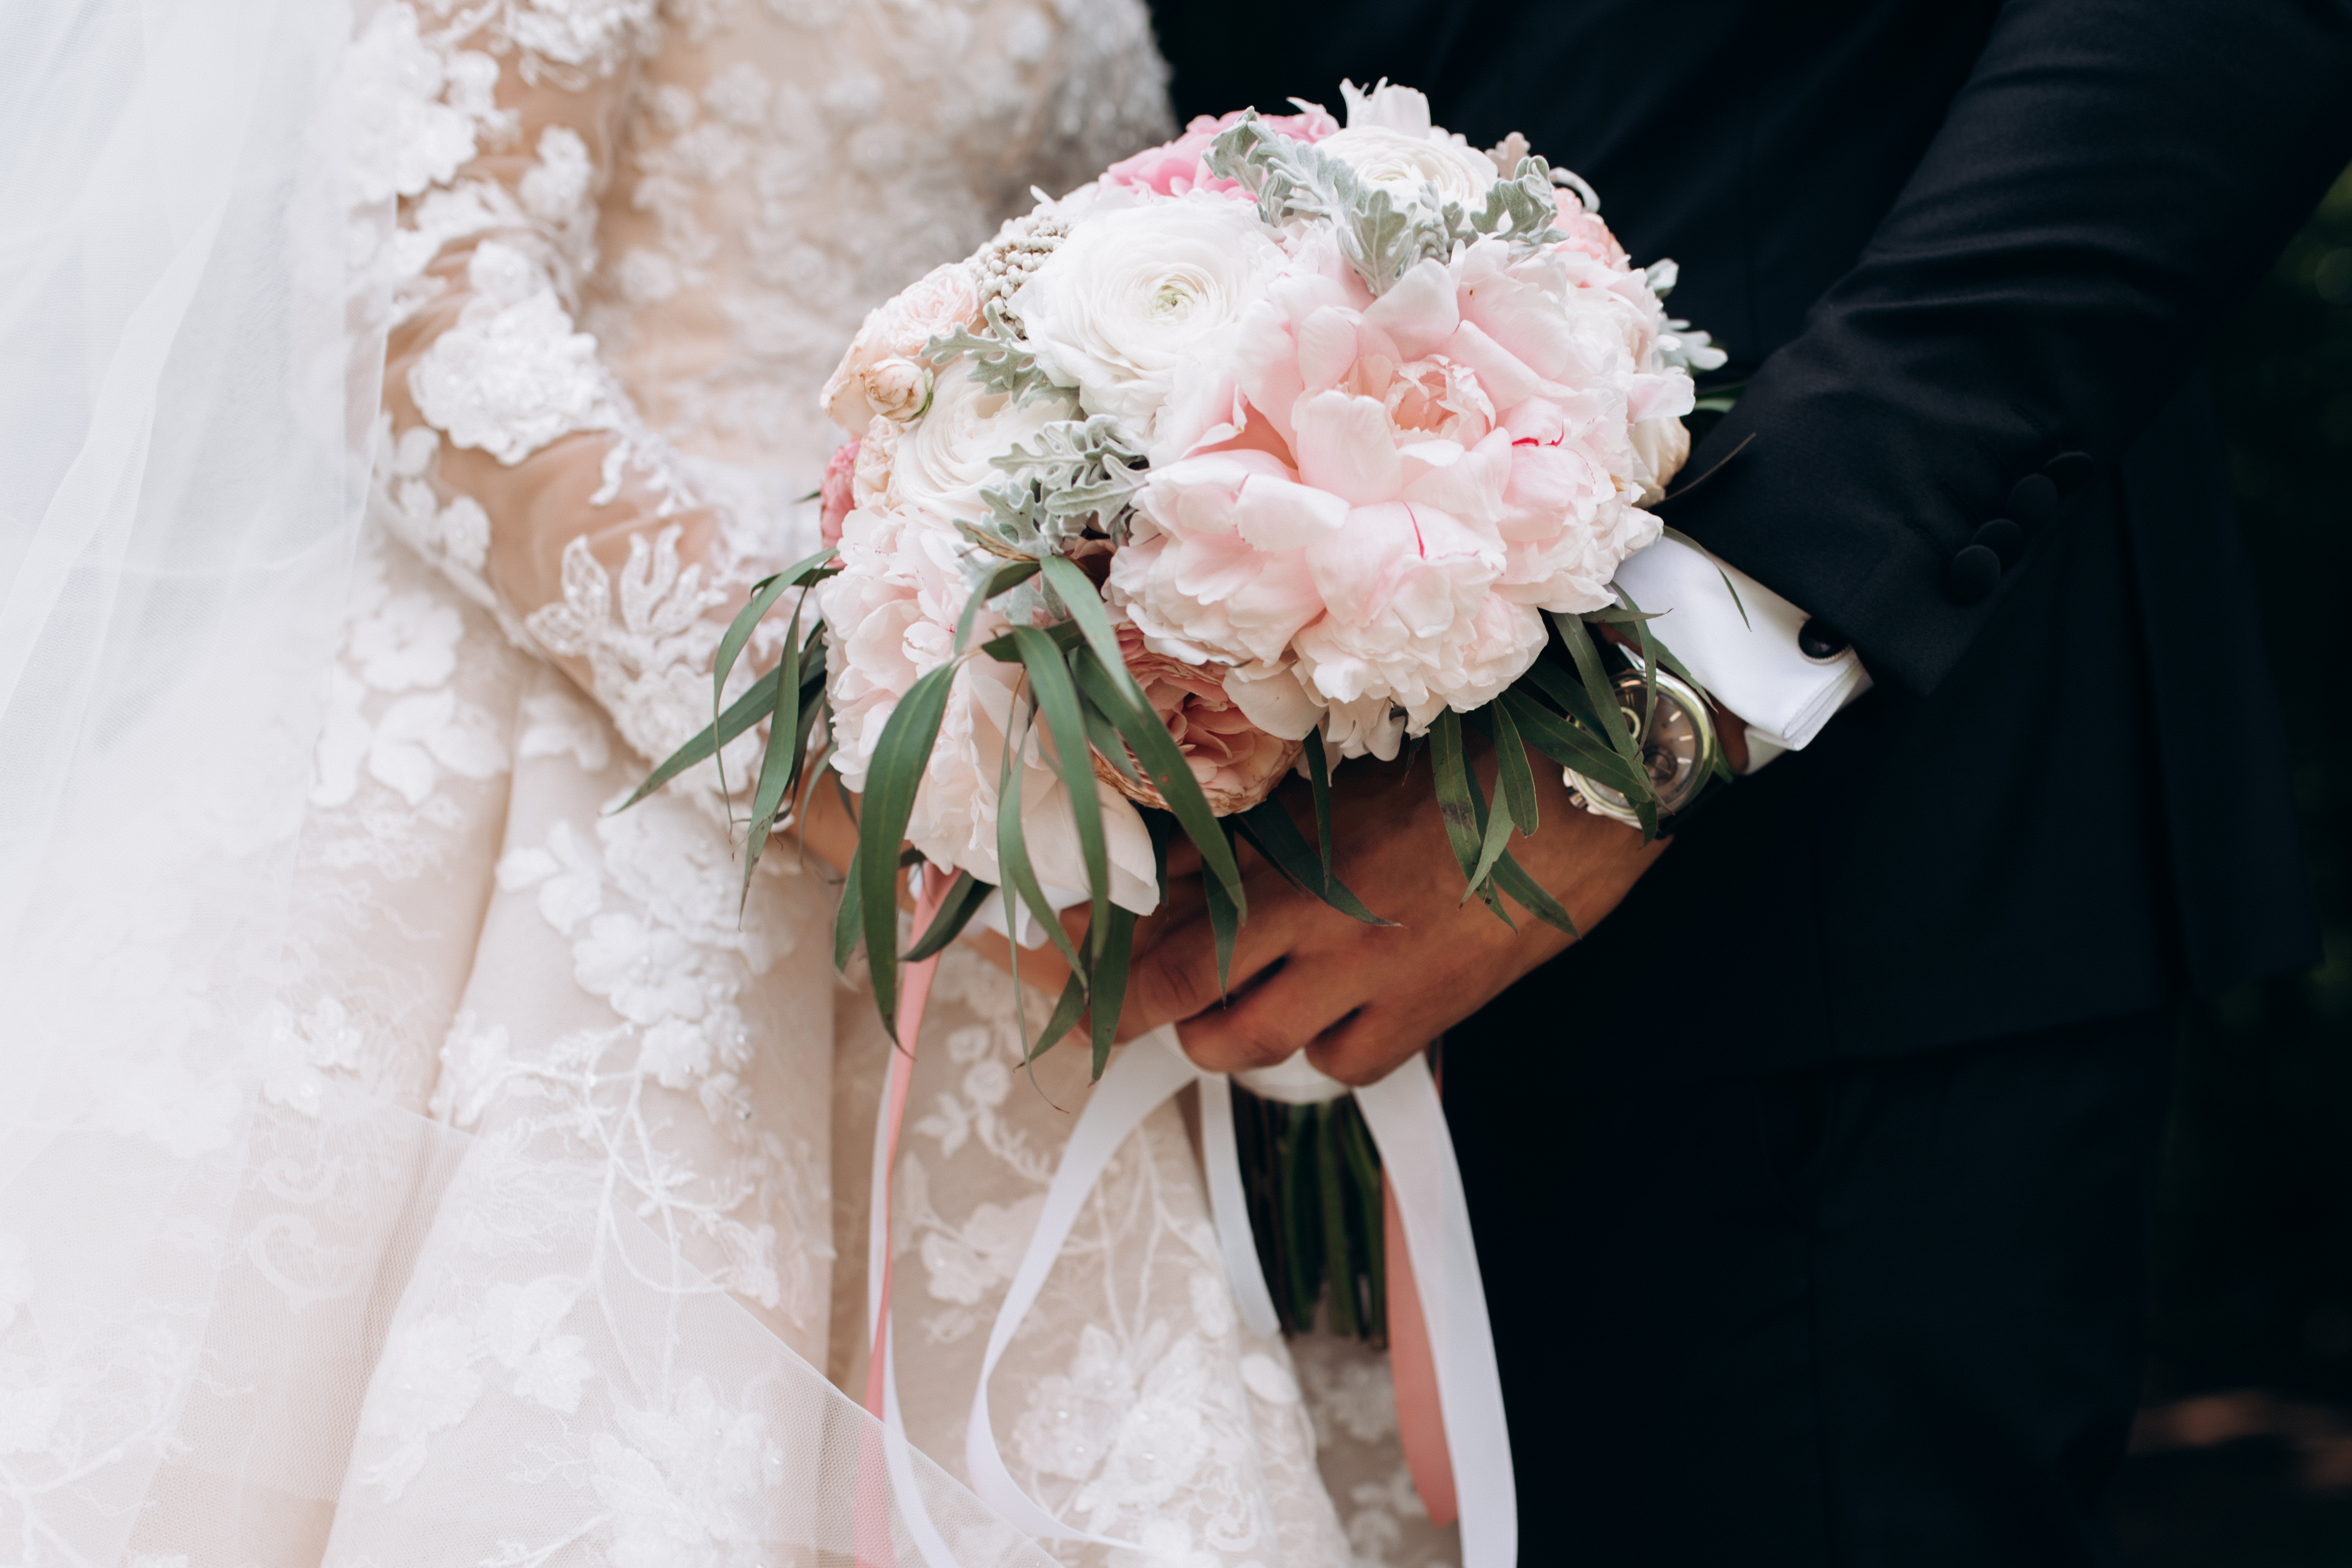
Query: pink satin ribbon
(873,1545)
(1420,1423)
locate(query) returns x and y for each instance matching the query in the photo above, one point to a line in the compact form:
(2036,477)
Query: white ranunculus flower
(1132,296)
(942,458)
(1389,143)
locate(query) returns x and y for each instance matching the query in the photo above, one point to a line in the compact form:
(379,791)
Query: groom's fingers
(1177,978)
(1291,1003)
(1366,1045)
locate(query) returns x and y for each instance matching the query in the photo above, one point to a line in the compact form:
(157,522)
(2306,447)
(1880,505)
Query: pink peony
(1377,500)
(1176,167)
(840,476)
(1237,763)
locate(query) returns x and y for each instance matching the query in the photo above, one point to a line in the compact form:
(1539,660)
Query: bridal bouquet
(1282,443)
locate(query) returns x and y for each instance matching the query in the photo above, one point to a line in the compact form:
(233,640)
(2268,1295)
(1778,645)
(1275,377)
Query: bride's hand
(825,828)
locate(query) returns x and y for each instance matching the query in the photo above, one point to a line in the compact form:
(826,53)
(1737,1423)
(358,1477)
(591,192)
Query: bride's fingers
(1044,967)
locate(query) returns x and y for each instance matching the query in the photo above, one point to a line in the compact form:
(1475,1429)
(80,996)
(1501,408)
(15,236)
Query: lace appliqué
(1134,1403)
(649,664)
(649,908)
(512,376)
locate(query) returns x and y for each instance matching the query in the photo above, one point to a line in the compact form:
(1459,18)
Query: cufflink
(1819,640)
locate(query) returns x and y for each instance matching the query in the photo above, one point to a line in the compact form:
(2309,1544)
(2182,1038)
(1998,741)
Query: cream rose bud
(897,388)
(943,458)
(934,306)
(1135,294)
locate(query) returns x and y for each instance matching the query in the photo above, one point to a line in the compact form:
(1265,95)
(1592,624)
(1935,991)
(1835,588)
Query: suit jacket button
(2070,471)
(2033,502)
(1817,639)
(1975,571)
(2004,539)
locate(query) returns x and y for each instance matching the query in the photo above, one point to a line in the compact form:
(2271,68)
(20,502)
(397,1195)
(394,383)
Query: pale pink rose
(838,491)
(933,306)
(1236,763)
(877,454)
(1176,167)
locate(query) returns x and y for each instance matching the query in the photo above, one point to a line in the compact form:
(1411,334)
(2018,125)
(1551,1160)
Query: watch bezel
(1604,802)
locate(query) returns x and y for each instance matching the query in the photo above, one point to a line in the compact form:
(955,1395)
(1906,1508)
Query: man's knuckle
(1171,990)
(1260,1046)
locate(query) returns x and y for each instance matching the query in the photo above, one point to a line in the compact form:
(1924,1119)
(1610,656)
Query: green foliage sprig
(1074,479)
(998,358)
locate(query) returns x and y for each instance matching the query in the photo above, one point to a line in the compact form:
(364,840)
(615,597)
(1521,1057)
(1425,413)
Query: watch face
(1675,750)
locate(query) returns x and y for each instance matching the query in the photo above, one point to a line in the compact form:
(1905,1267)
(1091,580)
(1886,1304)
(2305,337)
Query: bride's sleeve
(516,462)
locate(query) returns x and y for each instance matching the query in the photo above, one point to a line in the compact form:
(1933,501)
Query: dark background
(2245,1454)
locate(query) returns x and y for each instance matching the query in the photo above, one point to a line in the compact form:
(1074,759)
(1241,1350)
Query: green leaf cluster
(788,698)
(1075,695)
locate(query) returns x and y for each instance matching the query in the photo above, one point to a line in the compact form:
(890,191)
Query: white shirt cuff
(1752,666)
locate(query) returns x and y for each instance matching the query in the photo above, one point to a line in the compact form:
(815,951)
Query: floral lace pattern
(776,182)
(631,240)
(1134,1403)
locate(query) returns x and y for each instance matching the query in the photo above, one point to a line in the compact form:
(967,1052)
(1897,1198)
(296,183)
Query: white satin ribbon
(1229,1205)
(902,1469)
(1408,1125)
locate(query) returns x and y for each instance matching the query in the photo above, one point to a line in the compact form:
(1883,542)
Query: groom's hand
(1361,999)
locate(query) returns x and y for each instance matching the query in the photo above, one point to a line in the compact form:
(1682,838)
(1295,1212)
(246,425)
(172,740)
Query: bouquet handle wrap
(1409,1126)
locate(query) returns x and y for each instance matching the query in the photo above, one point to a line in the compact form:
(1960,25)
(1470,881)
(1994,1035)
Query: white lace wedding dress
(518,1218)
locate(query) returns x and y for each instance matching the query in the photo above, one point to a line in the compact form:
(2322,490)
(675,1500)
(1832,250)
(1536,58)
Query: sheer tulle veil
(205,1247)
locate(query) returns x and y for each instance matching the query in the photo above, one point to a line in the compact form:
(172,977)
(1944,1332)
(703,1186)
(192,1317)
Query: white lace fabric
(504,1204)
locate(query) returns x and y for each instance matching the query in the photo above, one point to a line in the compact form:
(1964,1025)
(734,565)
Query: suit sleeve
(2110,178)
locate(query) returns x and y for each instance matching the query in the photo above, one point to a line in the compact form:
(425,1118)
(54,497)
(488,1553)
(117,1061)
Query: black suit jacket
(1944,243)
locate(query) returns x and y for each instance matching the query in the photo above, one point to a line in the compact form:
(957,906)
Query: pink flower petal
(1420,313)
(1276,515)
(1345,446)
